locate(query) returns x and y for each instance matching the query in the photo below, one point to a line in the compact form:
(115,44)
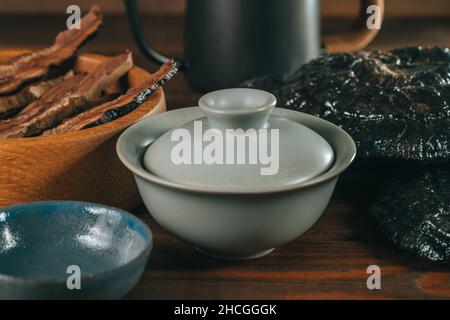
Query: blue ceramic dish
(46,247)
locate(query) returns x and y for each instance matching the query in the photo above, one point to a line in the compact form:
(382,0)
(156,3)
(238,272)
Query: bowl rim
(91,275)
(333,171)
(152,104)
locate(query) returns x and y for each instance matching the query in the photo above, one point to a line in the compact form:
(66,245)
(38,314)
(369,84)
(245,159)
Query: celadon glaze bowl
(70,250)
(223,222)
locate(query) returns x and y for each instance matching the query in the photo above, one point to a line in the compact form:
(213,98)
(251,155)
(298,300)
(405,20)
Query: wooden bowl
(80,165)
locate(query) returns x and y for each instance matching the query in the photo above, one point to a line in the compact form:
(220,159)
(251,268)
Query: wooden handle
(359,36)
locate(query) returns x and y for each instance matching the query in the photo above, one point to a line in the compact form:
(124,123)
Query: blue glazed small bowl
(70,250)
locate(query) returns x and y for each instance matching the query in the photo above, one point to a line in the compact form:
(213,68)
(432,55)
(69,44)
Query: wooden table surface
(331,259)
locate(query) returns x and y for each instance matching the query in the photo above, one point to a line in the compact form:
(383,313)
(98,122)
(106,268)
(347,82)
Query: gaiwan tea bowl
(236,210)
(70,250)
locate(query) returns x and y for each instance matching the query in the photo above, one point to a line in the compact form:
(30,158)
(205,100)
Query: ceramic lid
(238,145)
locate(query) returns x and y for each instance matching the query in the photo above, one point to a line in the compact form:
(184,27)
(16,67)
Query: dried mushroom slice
(68,98)
(33,66)
(414,213)
(116,108)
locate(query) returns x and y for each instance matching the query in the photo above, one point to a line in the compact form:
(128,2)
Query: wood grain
(330,260)
(75,166)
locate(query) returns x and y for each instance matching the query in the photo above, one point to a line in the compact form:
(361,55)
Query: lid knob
(238,108)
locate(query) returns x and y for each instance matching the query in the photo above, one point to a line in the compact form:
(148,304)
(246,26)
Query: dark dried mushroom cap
(414,213)
(395,104)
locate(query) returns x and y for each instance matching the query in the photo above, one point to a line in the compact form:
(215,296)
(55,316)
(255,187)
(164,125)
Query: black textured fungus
(396,104)
(414,213)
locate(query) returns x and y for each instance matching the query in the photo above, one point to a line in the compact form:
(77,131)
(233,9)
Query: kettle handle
(355,39)
(140,38)
(359,36)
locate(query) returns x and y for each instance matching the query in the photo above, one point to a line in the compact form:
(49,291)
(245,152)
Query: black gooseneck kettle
(228,41)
